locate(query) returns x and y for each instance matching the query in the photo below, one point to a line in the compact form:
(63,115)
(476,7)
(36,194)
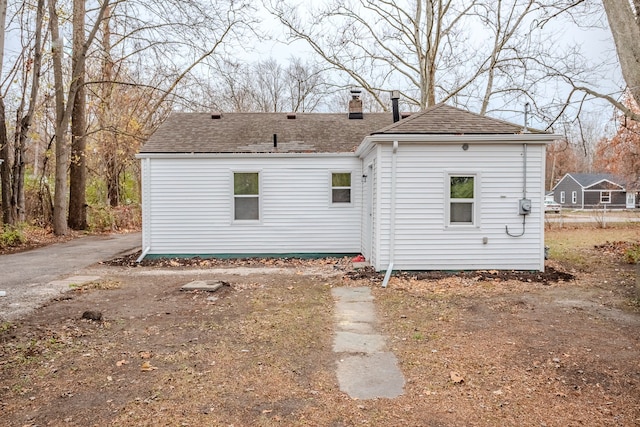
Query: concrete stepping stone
(365,370)
(371,376)
(203,285)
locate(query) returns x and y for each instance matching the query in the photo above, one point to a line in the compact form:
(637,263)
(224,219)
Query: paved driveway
(26,276)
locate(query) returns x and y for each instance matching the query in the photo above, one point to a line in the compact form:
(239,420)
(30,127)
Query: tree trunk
(17,178)
(625,27)
(5,170)
(61,153)
(78,167)
(109,140)
(23,123)
(5,174)
(113,176)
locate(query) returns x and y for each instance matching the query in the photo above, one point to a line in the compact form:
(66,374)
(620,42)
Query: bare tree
(268,86)
(265,86)
(472,53)
(624,21)
(306,85)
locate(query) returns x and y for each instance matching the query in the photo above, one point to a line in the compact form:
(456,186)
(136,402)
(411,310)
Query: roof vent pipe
(395,95)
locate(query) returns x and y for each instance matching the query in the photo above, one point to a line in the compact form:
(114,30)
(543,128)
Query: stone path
(365,369)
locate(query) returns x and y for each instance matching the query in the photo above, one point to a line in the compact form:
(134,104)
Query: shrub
(11,236)
(101,218)
(106,218)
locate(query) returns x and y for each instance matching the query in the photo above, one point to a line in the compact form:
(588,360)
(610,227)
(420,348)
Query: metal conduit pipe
(392,214)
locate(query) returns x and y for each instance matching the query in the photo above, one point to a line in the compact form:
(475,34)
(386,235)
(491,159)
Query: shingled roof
(308,132)
(588,179)
(443,119)
(254,133)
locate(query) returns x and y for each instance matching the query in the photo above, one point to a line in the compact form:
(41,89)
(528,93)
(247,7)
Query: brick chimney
(355,105)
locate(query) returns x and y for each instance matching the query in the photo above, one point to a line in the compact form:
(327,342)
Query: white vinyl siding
(189,203)
(423,242)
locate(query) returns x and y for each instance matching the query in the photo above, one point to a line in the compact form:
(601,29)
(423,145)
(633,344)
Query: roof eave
(455,138)
(179,155)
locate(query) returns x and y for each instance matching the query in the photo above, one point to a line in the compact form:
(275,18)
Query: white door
(367,227)
(631,200)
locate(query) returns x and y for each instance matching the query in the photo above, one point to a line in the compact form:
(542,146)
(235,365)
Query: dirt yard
(531,351)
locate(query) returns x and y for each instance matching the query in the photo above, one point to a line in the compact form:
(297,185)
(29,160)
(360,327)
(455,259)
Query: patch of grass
(632,254)
(572,246)
(5,326)
(103,285)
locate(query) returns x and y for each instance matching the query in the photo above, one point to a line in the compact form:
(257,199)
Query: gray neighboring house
(592,190)
(443,189)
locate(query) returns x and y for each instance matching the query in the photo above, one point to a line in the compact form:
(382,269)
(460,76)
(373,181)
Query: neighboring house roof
(254,133)
(444,119)
(586,180)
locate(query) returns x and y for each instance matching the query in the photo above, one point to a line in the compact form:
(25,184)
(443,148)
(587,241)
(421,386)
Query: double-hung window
(605,197)
(341,187)
(246,196)
(462,199)
(574,197)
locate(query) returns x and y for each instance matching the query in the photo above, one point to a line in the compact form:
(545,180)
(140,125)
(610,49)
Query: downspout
(392,215)
(146,219)
(144,254)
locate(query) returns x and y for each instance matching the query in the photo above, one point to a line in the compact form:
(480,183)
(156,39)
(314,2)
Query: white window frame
(233,198)
(574,197)
(331,188)
(562,197)
(475,209)
(602,197)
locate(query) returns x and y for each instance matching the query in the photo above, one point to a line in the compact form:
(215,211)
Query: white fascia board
(521,138)
(566,175)
(606,180)
(239,155)
(365,148)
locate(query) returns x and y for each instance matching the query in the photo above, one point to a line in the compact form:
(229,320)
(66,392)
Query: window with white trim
(246,196)
(574,197)
(341,187)
(462,200)
(562,198)
(605,197)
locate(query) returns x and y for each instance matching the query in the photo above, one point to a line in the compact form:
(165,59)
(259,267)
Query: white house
(441,189)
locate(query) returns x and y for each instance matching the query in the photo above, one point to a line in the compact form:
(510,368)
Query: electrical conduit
(392,214)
